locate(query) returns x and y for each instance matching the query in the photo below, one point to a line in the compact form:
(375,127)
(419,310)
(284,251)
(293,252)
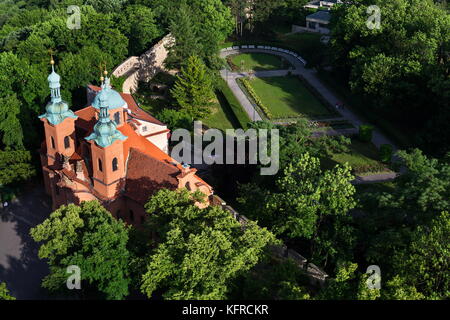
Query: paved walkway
(310,76)
(231,79)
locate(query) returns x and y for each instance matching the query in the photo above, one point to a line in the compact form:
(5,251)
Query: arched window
(131,215)
(66,142)
(115,164)
(117,117)
(53,143)
(100,165)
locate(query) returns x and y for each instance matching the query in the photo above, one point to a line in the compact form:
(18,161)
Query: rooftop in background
(320,16)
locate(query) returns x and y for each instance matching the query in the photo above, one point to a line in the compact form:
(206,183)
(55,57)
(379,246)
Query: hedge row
(256,98)
(232,65)
(369,168)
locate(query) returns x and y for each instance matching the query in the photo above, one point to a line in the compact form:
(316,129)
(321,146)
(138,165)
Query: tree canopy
(89,237)
(200,250)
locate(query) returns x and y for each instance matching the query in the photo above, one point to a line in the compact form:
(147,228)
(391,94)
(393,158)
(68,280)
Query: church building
(111,151)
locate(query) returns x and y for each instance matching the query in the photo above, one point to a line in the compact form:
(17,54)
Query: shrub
(233,66)
(365,133)
(386,153)
(256,98)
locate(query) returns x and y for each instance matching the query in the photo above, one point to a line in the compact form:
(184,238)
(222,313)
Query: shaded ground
(20,266)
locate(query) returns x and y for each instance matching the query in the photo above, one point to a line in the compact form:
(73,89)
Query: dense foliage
(403,68)
(89,237)
(200,250)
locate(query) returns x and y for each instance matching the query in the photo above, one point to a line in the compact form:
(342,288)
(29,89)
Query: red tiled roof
(137,112)
(146,175)
(86,118)
(142,144)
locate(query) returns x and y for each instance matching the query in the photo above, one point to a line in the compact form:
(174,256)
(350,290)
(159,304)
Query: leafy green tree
(273,280)
(305,195)
(200,250)
(400,68)
(203,25)
(137,22)
(398,289)
(426,261)
(106,5)
(4,292)
(175,119)
(10,127)
(348,284)
(193,89)
(89,237)
(15,166)
(183,30)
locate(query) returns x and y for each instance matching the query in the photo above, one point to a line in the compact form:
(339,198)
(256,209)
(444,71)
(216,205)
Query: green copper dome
(56,110)
(112,98)
(105,130)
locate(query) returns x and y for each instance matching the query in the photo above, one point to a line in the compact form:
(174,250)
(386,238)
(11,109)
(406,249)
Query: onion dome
(105,130)
(113,99)
(56,110)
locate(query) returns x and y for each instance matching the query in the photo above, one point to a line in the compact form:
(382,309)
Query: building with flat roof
(318,22)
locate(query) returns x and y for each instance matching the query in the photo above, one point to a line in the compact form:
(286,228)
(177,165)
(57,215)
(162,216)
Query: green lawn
(220,118)
(258,61)
(287,97)
(363,157)
(306,44)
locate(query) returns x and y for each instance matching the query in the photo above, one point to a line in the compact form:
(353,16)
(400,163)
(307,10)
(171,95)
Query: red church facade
(111,151)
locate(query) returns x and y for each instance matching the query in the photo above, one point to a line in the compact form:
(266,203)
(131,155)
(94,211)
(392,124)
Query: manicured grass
(229,102)
(258,61)
(287,97)
(221,118)
(306,44)
(363,157)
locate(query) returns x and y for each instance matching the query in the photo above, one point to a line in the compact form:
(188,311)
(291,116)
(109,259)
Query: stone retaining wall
(144,67)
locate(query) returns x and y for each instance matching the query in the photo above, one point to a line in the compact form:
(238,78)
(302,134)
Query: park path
(231,79)
(309,75)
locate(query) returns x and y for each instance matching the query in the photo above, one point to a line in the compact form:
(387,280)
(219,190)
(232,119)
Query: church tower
(108,162)
(59,123)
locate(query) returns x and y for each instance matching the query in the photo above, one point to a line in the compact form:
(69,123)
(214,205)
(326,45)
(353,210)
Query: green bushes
(386,151)
(255,97)
(232,65)
(368,168)
(365,133)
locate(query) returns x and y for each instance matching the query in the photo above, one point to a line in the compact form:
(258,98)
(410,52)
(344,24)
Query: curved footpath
(299,68)
(309,75)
